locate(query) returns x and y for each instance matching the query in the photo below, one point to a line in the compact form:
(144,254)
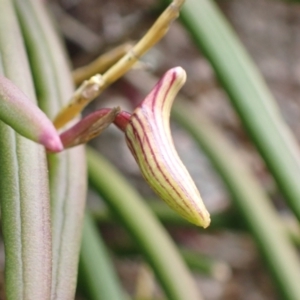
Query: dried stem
(100,64)
(154,34)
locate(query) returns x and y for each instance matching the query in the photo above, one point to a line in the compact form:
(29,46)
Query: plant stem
(153,36)
(100,64)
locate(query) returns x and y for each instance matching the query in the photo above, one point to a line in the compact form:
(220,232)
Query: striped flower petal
(25,117)
(149,138)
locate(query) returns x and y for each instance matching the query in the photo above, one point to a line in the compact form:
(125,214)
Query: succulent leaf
(25,117)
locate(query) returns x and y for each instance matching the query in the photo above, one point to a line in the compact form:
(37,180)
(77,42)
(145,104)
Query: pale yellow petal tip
(201,221)
(194,211)
(180,73)
(179,76)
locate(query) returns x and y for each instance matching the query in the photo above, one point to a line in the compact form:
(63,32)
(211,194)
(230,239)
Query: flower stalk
(153,36)
(100,64)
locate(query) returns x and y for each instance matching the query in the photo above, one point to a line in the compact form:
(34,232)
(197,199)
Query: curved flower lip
(17,110)
(149,138)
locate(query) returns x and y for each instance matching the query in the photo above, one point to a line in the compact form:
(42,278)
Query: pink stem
(122,119)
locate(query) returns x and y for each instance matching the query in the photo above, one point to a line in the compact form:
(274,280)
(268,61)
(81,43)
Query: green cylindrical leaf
(25,117)
(143,227)
(248,93)
(205,265)
(24,191)
(67,170)
(96,270)
(229,219)
(265,224)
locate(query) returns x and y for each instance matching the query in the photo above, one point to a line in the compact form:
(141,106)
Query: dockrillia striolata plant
(147,132)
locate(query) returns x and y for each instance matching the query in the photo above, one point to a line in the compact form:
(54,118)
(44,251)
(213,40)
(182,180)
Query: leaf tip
(51,141)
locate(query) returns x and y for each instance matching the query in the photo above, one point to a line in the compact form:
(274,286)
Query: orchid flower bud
(89,127)
(25,117)
(148,136)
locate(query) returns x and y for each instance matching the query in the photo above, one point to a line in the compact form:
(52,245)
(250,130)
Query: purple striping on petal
(155,159)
